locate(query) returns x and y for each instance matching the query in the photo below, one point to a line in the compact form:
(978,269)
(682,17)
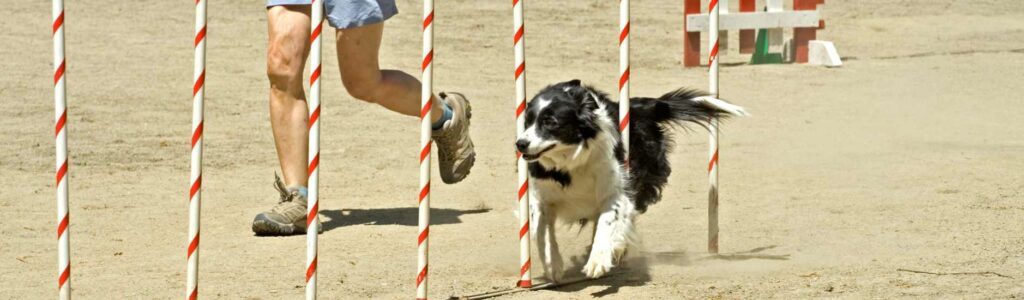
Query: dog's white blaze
(542,103)
(530,134)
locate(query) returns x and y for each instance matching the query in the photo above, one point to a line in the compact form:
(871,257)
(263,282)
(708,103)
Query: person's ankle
(301,189)
(446,115)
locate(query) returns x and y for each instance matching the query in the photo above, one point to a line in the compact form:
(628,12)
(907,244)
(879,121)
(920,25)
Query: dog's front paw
(557,271)
(555,275)
(601,262)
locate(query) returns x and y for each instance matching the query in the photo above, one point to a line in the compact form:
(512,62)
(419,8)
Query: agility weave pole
(61,142)
(523,178)
(624,77)
(196,173)
(313,184)
(426,129)
(713,43)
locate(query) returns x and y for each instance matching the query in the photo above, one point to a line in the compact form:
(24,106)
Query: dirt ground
(908,157)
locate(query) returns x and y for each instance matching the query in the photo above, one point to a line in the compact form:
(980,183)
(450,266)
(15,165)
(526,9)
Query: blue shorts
(344,14)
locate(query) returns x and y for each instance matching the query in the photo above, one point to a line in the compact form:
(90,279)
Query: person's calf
(392,89)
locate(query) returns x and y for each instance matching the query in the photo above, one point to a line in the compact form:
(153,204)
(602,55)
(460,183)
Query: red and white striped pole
(713,137)
(624,76)
(313,191)
(426,129)
(61,141)
(196,174)
(518,42)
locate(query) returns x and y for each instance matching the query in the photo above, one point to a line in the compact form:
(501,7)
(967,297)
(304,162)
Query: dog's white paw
(554,270)
(557,271)
(601,262)
(556,274)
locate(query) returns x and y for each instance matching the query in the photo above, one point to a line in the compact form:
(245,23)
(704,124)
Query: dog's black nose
(522,145)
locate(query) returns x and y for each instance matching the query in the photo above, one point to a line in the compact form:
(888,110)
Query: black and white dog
(578,175)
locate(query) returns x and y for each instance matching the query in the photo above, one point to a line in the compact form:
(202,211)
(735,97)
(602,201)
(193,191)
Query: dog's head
(560,120)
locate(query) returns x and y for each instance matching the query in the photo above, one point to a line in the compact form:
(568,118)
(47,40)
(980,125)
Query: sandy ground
(909,157)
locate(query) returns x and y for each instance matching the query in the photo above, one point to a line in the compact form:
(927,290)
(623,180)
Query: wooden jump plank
(756,20)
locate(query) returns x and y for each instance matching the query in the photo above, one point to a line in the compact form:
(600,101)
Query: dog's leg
(552,257)
(542,223)
(538,230)
(613,235)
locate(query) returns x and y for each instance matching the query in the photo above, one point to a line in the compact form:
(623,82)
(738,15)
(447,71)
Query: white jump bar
(756,20)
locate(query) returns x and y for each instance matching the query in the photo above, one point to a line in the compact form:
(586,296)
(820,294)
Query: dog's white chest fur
(591,188)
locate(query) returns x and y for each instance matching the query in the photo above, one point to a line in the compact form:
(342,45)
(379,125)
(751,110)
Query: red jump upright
(691,40)
(747,36)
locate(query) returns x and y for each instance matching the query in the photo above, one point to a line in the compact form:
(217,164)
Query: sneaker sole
(467,165)
(263,226)
(463,169)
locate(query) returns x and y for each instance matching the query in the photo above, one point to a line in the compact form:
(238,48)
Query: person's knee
(365,89)
(283,68)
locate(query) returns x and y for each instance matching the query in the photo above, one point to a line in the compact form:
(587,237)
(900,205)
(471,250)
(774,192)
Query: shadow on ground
(631,272)
(404,216)
(634,272)
(748,255)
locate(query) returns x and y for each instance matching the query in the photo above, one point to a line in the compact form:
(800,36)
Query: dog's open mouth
(535,156)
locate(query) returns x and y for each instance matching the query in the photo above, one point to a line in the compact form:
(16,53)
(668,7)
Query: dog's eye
(549,122)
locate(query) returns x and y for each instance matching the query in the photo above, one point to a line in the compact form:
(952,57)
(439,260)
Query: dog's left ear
(574,82)
(588,120)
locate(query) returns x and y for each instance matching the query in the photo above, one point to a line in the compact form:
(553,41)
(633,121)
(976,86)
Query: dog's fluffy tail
(685,105)
(650,141)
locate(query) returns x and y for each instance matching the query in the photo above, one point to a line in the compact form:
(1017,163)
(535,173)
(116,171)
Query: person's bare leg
(400,92)
(287,49)
(395,90)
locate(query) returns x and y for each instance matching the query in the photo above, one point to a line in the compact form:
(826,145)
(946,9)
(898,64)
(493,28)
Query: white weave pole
(713,137)
(313,191)
(624,77)
(196,174)
(61,142)
(426,129)
(519,41)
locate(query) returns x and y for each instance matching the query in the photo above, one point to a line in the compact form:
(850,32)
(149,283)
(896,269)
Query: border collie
(577,170)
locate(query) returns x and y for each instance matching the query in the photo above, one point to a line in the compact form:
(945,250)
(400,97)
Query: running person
(359,26)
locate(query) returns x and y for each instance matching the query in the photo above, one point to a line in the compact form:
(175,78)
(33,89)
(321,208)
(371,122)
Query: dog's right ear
(570,85)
